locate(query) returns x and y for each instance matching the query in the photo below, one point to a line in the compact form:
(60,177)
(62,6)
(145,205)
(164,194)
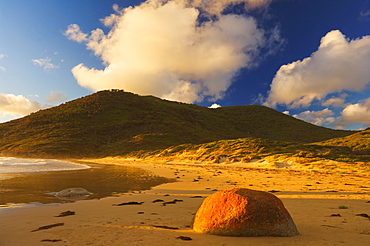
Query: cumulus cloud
(11,104)
(317,117)
(56,97)
(215,105)
(357,113)
(150,50)
(74,33)
(339,64)
(44,63)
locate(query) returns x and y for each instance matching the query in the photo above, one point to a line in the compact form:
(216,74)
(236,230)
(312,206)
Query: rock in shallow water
(244,212)
(73,193)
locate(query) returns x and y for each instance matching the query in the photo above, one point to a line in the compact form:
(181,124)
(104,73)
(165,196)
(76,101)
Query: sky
(306,58)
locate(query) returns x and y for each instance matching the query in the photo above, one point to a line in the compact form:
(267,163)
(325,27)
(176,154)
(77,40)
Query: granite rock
(244,212)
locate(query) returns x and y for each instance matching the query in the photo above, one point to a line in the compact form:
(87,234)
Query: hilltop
(114,122)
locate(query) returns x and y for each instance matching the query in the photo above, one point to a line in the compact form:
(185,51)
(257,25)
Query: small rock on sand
(66,213)
(129,203)
(184,238)
(73,193)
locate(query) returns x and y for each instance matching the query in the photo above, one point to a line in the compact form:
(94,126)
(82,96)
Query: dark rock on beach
(244,212)
(48,227)
(166,227)
(274,191)
(364,215)
(335,215)
(51,240)
(184,238)
(172,202)
(158,200)
(129,203)
(66,213)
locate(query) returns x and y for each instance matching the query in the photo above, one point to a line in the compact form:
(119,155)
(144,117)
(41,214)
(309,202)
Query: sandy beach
(328,209)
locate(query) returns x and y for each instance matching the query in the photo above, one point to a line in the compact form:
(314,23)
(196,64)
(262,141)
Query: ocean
(22,165)
(25,182)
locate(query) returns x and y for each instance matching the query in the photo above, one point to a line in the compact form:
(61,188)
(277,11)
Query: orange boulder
(244,212)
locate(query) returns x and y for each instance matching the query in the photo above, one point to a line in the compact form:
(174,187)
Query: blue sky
(306,58)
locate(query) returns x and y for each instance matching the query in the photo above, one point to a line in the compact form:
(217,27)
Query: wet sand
(102,180)
(325,207)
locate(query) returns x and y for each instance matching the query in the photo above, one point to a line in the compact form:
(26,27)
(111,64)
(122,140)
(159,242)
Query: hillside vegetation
(114,122)
(264,153)
(358,142)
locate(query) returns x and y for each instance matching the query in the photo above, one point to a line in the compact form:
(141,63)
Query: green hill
(115,122)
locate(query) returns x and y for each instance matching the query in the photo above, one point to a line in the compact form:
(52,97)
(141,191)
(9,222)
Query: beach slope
(328,209)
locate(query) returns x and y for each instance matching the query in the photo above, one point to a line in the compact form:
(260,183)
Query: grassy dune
(265,153)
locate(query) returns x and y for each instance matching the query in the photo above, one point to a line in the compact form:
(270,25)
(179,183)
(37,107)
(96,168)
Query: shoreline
(23,189)
(310,197)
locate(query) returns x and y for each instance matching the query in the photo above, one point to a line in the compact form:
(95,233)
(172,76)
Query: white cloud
(317,117)
(335,101)
(44,63)
(56,97)
(1,57)
(215,105)
(339,64)
(215,7)
(110,20)
(150,50)
(357,113)
(11,104)
(364,15)
(74,33)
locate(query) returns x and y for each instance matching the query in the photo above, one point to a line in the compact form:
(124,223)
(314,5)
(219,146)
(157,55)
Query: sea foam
(23,165)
